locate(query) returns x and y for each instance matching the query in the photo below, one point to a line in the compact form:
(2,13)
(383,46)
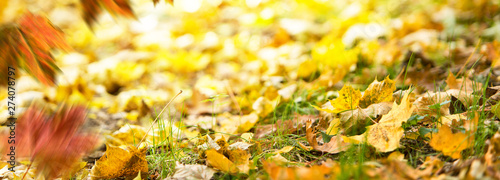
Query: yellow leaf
(385,135)
(138,177)
(118,162)
(333,128)
(451,144)
(221,162)
(247,122)
(378,92)
(348,99)
(285,149)
(278,159)
(241,159)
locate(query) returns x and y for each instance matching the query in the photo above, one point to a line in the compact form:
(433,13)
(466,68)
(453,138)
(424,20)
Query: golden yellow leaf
(118,162)
(241,159)
(385,135)
(348,99)
(221,162)
(333,128)
(285,149)
(378,92)
(278,159)
(460,141)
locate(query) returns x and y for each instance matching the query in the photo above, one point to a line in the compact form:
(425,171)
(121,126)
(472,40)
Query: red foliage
(92,8)
(27,45)
(54,142)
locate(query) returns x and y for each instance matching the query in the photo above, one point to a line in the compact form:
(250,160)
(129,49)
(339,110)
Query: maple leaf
(348,99)
(221,162)
(53,142)
(92,8)
(378,92)
(441,142)
(385,135)
(119,162)
(336,144)
(27,45)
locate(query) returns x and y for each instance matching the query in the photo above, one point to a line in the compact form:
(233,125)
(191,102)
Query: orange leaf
(92,9)
(27,45)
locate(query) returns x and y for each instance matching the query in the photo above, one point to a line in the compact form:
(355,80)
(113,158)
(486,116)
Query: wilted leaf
(120,161)
(378,92)
(336,144)
(316,172)
(441,142)
(193,171)
(221,162)
(385,135)
(284,126)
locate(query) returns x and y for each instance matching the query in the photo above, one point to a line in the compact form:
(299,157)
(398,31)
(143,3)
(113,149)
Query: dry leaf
(385,135)
(348,99)
(317,172)
(192,171)
(335,145)
(120,161)
(378,92)
(441,142)
(220,162)
(493,150)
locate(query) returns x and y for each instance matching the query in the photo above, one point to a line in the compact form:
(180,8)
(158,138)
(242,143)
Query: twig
(27,169)
(156,119)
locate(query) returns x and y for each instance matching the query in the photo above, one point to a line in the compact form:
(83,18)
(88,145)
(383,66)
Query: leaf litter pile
(223,89)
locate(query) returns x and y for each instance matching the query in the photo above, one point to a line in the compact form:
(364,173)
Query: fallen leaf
(378,92)
(493,150)
(385,135)
(336,144)
(348,99)
(192,171)
(284,126)
(441,142)
(316,172)
(220,162)
(120,161)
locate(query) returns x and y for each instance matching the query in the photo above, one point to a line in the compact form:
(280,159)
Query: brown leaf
(335,145)
(283,126)
(92,9)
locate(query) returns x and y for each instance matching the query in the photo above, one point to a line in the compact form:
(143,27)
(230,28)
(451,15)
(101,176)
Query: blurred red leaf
(92,9)
(27,44)
(54,142)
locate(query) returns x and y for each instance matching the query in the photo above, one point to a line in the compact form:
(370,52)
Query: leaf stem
(156,119)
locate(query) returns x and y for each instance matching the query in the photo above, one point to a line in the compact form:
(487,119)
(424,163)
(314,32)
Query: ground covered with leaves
(255,89)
